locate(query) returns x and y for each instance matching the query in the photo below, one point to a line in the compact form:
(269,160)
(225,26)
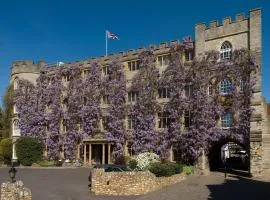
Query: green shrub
(165,169)
(28,150)
(46,163)
(6,150)
(133,164)
(188,169)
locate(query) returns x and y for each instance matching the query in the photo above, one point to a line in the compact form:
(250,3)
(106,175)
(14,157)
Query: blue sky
(73,30)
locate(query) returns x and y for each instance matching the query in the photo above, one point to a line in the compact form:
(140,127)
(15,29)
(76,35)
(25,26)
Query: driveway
(71,184)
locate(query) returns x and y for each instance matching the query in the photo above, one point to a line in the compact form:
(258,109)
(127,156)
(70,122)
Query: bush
(46,163)
(28,150)
(188,169)
(6,150)
(165,169)
(144,160)
(132,164)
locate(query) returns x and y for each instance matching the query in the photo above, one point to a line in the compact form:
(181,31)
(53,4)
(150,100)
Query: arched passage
(228,153)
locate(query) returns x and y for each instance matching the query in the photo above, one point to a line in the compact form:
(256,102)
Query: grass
(188,169)
(46,163)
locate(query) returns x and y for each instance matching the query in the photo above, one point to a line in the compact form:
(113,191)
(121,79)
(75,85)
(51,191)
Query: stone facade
(15,191)
(129,183)
(243,32)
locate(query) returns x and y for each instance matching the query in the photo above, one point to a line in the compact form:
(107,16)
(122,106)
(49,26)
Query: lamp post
(12,173)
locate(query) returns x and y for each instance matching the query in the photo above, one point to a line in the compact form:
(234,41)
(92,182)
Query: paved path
(71,184)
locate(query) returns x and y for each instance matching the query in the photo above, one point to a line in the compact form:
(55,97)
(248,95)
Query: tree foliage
(28,150)
(6,150)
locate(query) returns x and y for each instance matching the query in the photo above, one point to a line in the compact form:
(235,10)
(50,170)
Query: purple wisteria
(65,106)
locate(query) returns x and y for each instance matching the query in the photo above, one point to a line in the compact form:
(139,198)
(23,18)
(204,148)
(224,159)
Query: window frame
(225,86)
(226,122)
(164,93)
(133,65)
(226,51)
(163,120)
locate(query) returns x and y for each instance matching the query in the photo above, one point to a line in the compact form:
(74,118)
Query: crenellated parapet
(26,66)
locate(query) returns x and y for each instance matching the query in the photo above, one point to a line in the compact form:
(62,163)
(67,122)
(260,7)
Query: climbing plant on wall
(194,107)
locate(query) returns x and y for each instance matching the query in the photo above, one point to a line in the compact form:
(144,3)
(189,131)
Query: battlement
(228,20)
(26,66)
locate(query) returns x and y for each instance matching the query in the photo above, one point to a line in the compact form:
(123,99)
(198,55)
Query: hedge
(6,150)
(28,150)
(165,169)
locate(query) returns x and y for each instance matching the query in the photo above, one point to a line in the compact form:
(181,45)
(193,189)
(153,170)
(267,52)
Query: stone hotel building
(240,32)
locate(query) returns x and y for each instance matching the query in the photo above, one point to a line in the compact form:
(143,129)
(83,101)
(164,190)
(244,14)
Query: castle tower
(26,70)
(244,32)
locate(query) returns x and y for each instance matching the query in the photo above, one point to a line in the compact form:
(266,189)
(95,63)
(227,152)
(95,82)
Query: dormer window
(226,51)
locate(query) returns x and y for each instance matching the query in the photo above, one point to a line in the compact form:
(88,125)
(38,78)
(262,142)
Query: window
(226,120)
(16,124)
(133,96)
(188,90)
(164,93)
(242,85)
(225,86)
(85,73)
(163,60)
(15,83)
(105,99)
(105,121)
(133,65)
(226,51)
(188,55)
(163,120)
(188,119)
(105,70)
(131,122)
(210,89)
(84,101)
(66,77)
(64,125)
(65,103)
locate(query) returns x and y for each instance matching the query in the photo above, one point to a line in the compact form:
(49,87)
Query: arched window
(225,86)
(16,124)
(226,51)
(226,120)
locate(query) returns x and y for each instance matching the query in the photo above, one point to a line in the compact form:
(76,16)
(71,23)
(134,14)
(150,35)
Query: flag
(111,35)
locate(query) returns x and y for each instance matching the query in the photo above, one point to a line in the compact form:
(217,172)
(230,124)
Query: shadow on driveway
(236,187)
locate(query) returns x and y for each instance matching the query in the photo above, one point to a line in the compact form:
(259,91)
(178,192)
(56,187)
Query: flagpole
(106,37)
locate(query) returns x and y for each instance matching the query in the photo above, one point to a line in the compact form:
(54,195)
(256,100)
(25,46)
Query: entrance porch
(96,152)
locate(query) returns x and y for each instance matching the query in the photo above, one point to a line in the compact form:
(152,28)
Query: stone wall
(15,191)
(129,183)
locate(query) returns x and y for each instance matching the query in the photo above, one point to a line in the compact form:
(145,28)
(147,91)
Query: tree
(28,150)
(6,150)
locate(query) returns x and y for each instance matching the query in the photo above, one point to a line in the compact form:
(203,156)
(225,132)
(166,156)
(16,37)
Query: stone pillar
(109,153)
(202,166)
(90,154)
(103,153)
(78,151)
(171,154)
(84,154)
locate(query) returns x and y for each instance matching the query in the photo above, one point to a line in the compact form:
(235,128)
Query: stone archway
(230,154)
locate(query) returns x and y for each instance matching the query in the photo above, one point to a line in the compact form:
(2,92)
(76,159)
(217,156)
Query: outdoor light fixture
(12,173)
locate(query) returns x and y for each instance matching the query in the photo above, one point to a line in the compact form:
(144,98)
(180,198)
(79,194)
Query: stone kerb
(129,183)
(15,191)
